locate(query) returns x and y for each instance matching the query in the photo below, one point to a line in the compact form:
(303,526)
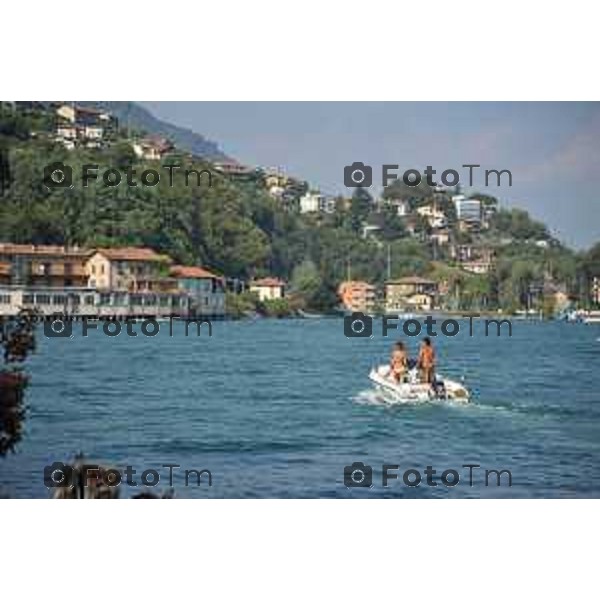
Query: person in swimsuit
(426,361)
(398,362)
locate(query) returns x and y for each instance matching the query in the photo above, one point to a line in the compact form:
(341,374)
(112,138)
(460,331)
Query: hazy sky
(552,149)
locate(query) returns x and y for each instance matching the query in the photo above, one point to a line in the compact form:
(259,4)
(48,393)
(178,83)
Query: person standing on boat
(426,361)
(398,362)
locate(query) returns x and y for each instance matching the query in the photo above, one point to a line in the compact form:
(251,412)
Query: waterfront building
(206,290)
(129,269)
(357,296)
(46,266)
(410,293)
(46,300)
(111,282)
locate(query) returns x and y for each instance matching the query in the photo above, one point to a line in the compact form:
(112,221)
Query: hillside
(134,116)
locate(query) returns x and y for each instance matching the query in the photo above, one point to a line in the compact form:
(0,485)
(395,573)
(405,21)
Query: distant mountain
(135,116)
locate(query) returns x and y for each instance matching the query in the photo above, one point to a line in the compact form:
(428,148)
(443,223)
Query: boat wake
(374,397)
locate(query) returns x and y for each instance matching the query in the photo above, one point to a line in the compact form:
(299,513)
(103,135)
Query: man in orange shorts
(426,361)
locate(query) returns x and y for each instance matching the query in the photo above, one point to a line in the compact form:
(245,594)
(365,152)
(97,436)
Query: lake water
(278,408)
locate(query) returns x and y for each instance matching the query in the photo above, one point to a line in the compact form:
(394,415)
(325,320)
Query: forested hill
(240,229)
(136,117)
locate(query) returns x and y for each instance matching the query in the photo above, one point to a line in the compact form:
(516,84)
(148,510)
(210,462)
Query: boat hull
(413,391)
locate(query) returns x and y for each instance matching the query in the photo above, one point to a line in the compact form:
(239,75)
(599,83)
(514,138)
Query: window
(42,299)
(27,298)
(4,298)
(89,300)
(59,299)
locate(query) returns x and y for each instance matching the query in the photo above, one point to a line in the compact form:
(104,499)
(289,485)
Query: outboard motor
(439,389)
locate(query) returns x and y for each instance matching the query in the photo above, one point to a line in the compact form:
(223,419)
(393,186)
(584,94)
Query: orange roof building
(130,269)
(49,266)
(357,296)
(185,272)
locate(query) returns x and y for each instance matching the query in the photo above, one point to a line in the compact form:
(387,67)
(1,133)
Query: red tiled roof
(355,285)
(185,272)
(268,282)
(31,250)
(132,253)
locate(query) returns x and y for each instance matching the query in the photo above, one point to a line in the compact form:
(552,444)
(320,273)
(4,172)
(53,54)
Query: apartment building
(357,296)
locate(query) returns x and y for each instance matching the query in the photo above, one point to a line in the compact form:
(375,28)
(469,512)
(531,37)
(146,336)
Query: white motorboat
(412,390)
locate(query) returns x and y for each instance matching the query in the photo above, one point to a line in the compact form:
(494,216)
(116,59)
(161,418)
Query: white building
(269,288)
(316,202)
(435,217)
(402,206)
(467,210)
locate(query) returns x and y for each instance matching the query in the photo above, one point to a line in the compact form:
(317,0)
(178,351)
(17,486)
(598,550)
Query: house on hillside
(441,236)
(82,126)
(152,148)
(478,267)
(410,294)
(314,201)
(468,212)
(401,206)
(235,170)
(434,216)
(475,258)
(269,288)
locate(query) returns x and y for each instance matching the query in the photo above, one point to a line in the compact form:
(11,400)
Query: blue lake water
(277,408)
